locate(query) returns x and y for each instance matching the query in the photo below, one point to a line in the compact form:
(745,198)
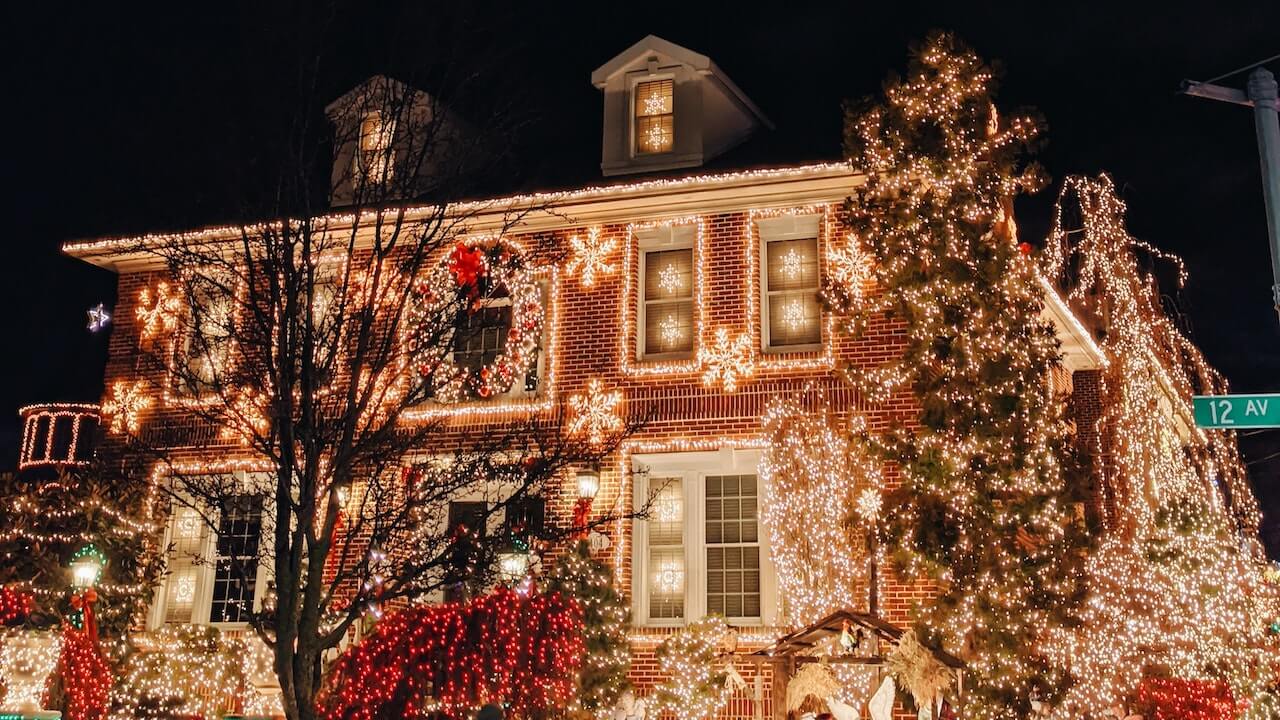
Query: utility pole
(1261,96)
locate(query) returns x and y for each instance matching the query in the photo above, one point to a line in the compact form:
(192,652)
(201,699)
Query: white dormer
(668,107)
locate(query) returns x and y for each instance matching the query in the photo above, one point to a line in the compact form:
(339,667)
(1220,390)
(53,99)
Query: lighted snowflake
(669,579)
(126,405)
(596,412)
(656,137)
(158,310)
(188,524)
(851,267)
(792,264)
(590,255)
(727,360)
(793,315)
(869,504)
(669,279)
(655,104)
(670,329)
(185,591)
(666,506)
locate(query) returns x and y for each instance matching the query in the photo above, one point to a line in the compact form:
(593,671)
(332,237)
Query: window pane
(794,319)
(668,274)
(666,549)
(733,552)
(668,327)
(791,264)
(236,559)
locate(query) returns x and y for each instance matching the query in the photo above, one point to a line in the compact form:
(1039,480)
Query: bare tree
(322,348)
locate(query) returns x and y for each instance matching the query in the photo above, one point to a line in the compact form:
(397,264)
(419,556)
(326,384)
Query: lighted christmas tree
(51,521)
(603,677)
(984,507)
(1178,584)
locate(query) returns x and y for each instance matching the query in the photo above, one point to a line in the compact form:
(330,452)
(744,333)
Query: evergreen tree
(605,616)
(984,507)
(49,519)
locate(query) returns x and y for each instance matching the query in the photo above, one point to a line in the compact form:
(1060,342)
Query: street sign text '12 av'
(1237,411)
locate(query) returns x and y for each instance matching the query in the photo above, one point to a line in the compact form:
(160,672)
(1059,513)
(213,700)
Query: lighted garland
(473,275)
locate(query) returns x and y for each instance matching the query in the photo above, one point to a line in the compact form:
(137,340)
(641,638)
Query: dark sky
(135,118)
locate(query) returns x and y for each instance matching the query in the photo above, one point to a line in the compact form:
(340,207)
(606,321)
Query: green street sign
(1237,411)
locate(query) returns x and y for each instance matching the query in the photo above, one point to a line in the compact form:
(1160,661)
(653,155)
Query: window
(667,307)
(213,577)
(207,345)
(236,560)
(467,530)
(791,313)
(654,129)
(699,551)
(375,154)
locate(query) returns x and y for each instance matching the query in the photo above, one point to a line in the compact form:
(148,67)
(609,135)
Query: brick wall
(590,326)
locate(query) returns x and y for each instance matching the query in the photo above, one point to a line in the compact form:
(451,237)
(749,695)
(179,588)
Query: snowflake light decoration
(596,412)
(791,264)
(850,267)
(158,310)
(793,315)
(126,404)
(590,255)
(669,279)
(669,579)
(655,104)
(727,360)
(670,329)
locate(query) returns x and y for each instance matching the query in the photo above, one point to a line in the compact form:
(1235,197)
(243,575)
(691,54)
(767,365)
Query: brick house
(693,252)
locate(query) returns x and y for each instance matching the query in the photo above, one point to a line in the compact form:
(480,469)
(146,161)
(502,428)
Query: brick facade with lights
(593,333)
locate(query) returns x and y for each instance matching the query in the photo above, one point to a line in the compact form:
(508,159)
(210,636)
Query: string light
(1177,577)
(727,360)
(158,310)
(125,406)
(590,256)
(52,416)
(693,683)
(596,412)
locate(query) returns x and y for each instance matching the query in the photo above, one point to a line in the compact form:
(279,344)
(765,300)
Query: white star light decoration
(595,413)
(727,360)
(125,406)
(99,318)
(590,255)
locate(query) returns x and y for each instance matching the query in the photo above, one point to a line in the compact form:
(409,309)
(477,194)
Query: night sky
(149,118)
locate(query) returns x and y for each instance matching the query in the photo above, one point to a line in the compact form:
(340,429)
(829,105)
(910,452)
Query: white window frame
(786,227)
(206,569)
(387,133)
(658,239)
(693,468)
(633,121)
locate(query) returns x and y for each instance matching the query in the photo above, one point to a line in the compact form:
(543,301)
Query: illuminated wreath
(474,275)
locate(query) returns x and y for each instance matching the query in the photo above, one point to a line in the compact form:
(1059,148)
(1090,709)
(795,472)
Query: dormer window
(654,127)
(375,147)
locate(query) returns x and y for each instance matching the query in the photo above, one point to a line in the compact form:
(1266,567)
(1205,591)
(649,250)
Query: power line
(1246,67)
